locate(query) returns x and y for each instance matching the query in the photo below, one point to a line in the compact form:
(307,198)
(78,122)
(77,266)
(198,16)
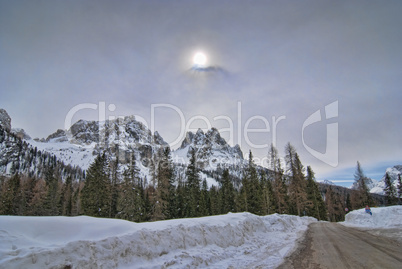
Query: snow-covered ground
(73,154)
(239,240)
(383,217)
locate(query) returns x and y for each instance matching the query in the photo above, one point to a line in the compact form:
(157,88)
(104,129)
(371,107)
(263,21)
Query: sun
(199,59)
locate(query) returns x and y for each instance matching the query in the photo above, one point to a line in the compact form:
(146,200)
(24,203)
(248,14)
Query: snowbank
(383,217)
(240,240)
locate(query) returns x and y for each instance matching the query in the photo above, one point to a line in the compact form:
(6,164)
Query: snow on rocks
(239,240)
(383,217)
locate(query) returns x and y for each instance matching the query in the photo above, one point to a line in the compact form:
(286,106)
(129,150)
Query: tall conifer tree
(297,184)
(227,193)
(193,186)
(399,189)
(95,196)
(316,206)
(389,190)
(361,197)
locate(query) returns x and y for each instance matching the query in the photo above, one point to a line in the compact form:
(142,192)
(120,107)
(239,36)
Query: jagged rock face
(58,136)
(123,131)
(211,150)
(84,132)
(5,120)
(158,139)
(20,133)
(119,139)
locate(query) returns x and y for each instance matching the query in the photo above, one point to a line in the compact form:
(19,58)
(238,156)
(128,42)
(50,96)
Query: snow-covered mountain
(393,172)
(211,150)
(377,186)
(5,120)
(213,154)
(17,155)
(119,138)
(370,183)
(327,182)
(80,145)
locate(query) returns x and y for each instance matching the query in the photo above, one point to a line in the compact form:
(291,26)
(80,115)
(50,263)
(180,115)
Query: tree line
(111,192)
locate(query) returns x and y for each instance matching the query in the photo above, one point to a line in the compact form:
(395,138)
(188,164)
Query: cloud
(275,58)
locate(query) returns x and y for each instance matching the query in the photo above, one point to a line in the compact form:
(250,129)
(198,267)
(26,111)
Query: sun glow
(199,59)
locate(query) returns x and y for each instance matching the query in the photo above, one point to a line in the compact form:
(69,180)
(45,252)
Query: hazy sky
(276,59)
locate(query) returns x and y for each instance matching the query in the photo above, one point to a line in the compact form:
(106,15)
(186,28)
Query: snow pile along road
(240,240)
(383,217)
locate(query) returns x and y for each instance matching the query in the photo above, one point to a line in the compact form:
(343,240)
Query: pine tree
(399,188)
(242,201)
(268,198)
(227,193)
(273,157)
(204,207)
(334,205)
(51,201)
(126,205)
(95,196)
(193,187)
(251,188)
(348,203)
(67,197)
(316,206)
(114,185)
(389,190)
(11,196)
(181,199)
(164,198)
(215,201)
(329,201)
(131,204)
(297,185)
(36,205)
(28,186)
(280,189)
(362,196)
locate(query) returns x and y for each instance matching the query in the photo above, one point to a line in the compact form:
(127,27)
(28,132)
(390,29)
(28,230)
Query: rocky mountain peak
(158,139)
(20,133)
(58,136)
(210,149)
(214,136)
(126,130)
(5,120)
(187,140)
(84,132)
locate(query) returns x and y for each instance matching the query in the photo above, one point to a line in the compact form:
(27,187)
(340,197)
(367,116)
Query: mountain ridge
(120,138)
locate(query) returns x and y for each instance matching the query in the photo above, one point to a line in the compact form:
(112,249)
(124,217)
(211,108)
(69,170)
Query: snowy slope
(383,217)
(240,240)
(393,172)
(73,154)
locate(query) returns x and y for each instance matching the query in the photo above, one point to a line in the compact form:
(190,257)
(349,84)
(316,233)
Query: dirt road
(332,245)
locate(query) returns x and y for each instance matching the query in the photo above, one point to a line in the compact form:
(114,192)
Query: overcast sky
(276,59)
